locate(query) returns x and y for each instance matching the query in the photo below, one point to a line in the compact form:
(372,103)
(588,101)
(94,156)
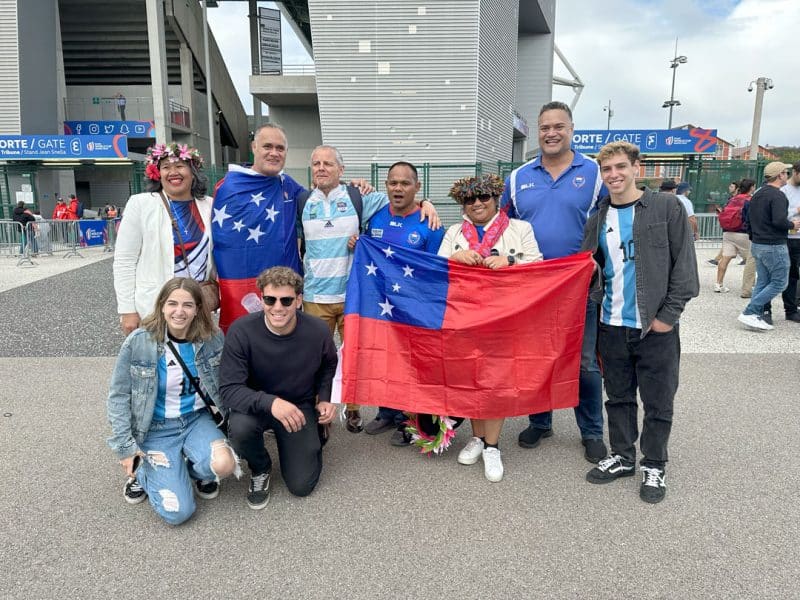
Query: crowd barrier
(709,230)
(52,237)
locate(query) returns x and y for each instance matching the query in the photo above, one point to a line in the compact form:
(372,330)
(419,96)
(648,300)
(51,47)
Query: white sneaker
(492,464)
(721,289)
(470,453)
(754,322)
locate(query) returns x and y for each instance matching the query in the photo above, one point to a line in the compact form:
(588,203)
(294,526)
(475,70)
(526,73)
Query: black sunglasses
(483,198)
(286,301)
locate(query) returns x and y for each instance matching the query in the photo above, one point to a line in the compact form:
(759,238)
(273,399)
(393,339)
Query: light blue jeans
(165,475)
(772,275)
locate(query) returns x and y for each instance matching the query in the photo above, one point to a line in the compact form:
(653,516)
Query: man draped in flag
(254,224)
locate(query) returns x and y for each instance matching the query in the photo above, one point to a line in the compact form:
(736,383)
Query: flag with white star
(424,334)
(253,228)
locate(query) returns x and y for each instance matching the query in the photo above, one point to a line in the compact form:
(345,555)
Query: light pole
(610,112)
(672,103)
(762,84)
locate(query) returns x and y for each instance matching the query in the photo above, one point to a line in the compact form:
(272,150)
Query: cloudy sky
(622,49)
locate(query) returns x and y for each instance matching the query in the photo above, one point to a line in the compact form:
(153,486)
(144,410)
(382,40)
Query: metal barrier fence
(709,230)
(12,240)
(52,237)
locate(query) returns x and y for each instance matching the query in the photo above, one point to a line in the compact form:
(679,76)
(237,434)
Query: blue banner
(657,141)
(38,147)
(133,129)
(93,232)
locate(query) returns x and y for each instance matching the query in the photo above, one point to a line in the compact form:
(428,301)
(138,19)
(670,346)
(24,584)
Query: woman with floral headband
(486,238)
(164,233)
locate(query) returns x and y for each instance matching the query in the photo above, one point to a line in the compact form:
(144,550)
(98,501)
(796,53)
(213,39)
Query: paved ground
(385,522)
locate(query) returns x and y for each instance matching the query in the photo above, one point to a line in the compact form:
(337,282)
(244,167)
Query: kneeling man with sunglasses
(276,373)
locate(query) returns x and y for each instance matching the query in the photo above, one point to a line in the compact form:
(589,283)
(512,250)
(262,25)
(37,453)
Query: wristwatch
(511,259)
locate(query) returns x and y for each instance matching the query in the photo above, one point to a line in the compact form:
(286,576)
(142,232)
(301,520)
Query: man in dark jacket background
(768,226)
(23,216)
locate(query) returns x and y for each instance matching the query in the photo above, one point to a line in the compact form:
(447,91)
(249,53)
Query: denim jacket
(134,386)
(666,267)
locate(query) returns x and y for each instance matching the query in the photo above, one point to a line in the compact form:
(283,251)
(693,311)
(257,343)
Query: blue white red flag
(424,334)
(253,229)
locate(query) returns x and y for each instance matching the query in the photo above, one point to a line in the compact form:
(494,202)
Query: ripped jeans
(165,475)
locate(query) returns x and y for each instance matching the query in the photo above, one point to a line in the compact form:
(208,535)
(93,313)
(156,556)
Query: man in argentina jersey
(176,395)
(644,245)
(398,223)
(556,192)
(616,240)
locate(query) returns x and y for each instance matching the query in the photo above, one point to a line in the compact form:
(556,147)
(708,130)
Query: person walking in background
(735,240)
(121,102)
(792,192)
(768,226)
(682,192)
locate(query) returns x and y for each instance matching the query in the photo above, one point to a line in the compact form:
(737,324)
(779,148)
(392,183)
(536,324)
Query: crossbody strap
(192,378)
(175,227)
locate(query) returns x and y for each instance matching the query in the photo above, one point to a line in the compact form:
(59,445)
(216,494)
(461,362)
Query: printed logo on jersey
(341,206)
(525,186)
(414,238)
(376,233)
(579,181)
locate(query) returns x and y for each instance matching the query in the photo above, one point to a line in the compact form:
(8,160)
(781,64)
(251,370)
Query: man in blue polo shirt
(398,223)
(556,192)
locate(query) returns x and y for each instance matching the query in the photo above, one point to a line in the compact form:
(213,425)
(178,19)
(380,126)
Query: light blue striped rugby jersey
(327,225)
(616,241)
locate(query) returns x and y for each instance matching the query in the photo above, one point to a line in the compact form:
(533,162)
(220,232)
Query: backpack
(730,219)
(302,200)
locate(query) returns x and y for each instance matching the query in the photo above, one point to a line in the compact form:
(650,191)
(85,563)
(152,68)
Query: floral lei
(174,152)
(431,443)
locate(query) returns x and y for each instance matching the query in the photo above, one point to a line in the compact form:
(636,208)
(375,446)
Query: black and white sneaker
(609,469)
(258,495)
(133,492)
(206,488)
(653,488)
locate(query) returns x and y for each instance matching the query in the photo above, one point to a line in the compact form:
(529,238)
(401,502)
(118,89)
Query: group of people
(67,211)
(275,367)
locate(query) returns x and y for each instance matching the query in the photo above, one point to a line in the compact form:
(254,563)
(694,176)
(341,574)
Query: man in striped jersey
(647,272)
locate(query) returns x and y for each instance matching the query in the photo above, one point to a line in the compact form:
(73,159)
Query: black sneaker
(400,438)
(767,318)
(653,487)
(610,469)
(258,495)
(795,316)
(532,436)
(378,425)
(206,488)
(133,492)
(595,450)
(713,261)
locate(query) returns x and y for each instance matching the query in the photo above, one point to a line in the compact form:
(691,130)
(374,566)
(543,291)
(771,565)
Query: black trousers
(790,293)
(300,453)
(651,366)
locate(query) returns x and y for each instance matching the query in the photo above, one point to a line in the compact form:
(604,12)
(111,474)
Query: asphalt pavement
(385,522)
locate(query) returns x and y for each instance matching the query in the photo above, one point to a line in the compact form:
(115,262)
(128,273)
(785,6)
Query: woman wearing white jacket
(148,250)
(486,238)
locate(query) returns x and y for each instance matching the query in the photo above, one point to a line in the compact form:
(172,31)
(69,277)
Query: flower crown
(472,187)
(174,152)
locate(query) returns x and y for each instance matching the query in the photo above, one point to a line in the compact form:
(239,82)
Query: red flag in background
(423,334)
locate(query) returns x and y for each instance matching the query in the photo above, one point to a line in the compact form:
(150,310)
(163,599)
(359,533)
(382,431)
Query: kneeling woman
(157,413)
(486,238)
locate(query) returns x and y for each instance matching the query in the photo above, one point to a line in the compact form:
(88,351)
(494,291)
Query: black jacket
(21,215)
(767,217)
(666,266)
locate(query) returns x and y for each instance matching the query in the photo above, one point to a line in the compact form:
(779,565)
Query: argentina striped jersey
(616,241)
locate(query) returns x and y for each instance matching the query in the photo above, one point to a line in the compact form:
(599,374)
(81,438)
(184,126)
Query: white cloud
(622,50)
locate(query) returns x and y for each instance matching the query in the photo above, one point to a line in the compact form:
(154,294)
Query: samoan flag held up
(253,229)
(423,334)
